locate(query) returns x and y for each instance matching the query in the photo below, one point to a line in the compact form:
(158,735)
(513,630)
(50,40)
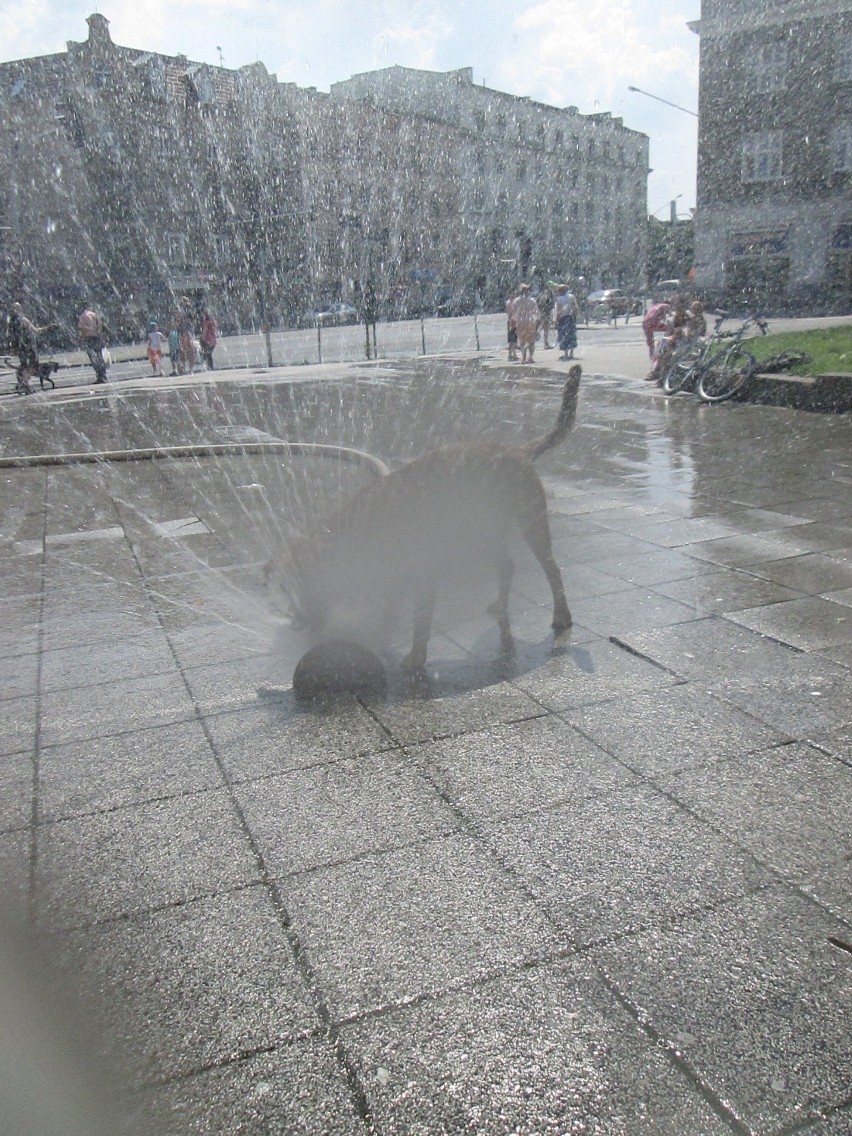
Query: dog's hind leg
(424,608)
(500,608)
(536,532)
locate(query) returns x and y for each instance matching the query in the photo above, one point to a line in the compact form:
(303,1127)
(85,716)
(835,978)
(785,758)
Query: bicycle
(716,374)
(727,371)
(689,358)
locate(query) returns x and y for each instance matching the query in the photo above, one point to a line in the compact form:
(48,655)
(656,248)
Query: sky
(583,53)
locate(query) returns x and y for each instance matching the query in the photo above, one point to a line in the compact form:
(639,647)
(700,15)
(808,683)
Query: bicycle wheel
(680,374)
(726,374)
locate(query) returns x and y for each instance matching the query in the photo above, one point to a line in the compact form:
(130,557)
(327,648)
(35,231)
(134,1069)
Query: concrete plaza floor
(602,887)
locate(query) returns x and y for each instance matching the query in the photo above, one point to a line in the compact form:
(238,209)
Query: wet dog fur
(399,535)
(44,372)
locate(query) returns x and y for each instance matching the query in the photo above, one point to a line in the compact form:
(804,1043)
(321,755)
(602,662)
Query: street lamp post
(686,110)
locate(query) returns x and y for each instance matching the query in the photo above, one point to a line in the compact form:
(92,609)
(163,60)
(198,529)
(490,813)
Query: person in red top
(654,320)
(208,339)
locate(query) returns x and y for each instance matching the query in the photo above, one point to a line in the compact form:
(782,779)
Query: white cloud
(412,36)
(588,53)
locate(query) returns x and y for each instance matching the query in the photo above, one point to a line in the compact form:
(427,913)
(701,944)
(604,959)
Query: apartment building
(540,187)
(773,225)
(134,177)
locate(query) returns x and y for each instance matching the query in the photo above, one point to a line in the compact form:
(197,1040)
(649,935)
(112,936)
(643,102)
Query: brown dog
(444,511)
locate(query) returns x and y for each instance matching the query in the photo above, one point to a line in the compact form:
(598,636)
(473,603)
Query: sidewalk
(603,887)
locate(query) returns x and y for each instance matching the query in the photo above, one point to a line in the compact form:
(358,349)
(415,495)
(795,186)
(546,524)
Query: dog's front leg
(424,607)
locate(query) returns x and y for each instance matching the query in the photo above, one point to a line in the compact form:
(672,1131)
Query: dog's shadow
(454,677)
(485,667)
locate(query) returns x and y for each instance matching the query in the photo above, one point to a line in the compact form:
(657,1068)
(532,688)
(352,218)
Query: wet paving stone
(658,735)
(613,864)
(725,591)
(412,921)
(299,1087)
(15,849)
(275,737)
(550,1050)
(103,774)
(133,859)
(591,672)
(790,806)
(18,723)
(592,886)
(113,708)
(518,768)
(208,979)
(87,664)
(814,573)
(755,998)
(808,623)
(328,814)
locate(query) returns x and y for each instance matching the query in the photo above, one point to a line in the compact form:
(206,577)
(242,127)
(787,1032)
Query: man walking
(23,335)
(90,329)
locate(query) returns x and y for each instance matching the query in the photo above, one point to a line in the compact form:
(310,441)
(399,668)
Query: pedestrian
(187,354)
(696,321)
(23,342)
(565,310)
(157,343)
(677,319)
(90,328)
(581,294)
(174,349)
(511,331)
(525,311)
(208,338)
(545,313)
(370,315)
(653,321)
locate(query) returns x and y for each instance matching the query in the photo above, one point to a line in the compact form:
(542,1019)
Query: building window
(843,57)
(770,67)
(176,248)
(223,249)
(841,147)
(761,156)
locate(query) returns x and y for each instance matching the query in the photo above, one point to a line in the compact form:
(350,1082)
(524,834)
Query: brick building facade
(773,224)
(134,177)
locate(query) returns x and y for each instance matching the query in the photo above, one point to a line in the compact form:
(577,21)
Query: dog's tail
(565,420)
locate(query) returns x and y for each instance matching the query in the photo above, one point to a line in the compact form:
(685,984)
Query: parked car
(342,313)
(609,302)
(338,313)
(449,303)
(665,289)
(316,315)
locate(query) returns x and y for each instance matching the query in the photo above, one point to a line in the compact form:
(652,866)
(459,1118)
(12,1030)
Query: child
(174,351)
(156,343)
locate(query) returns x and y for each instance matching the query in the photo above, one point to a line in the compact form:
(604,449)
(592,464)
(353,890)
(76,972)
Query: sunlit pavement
(603,887)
